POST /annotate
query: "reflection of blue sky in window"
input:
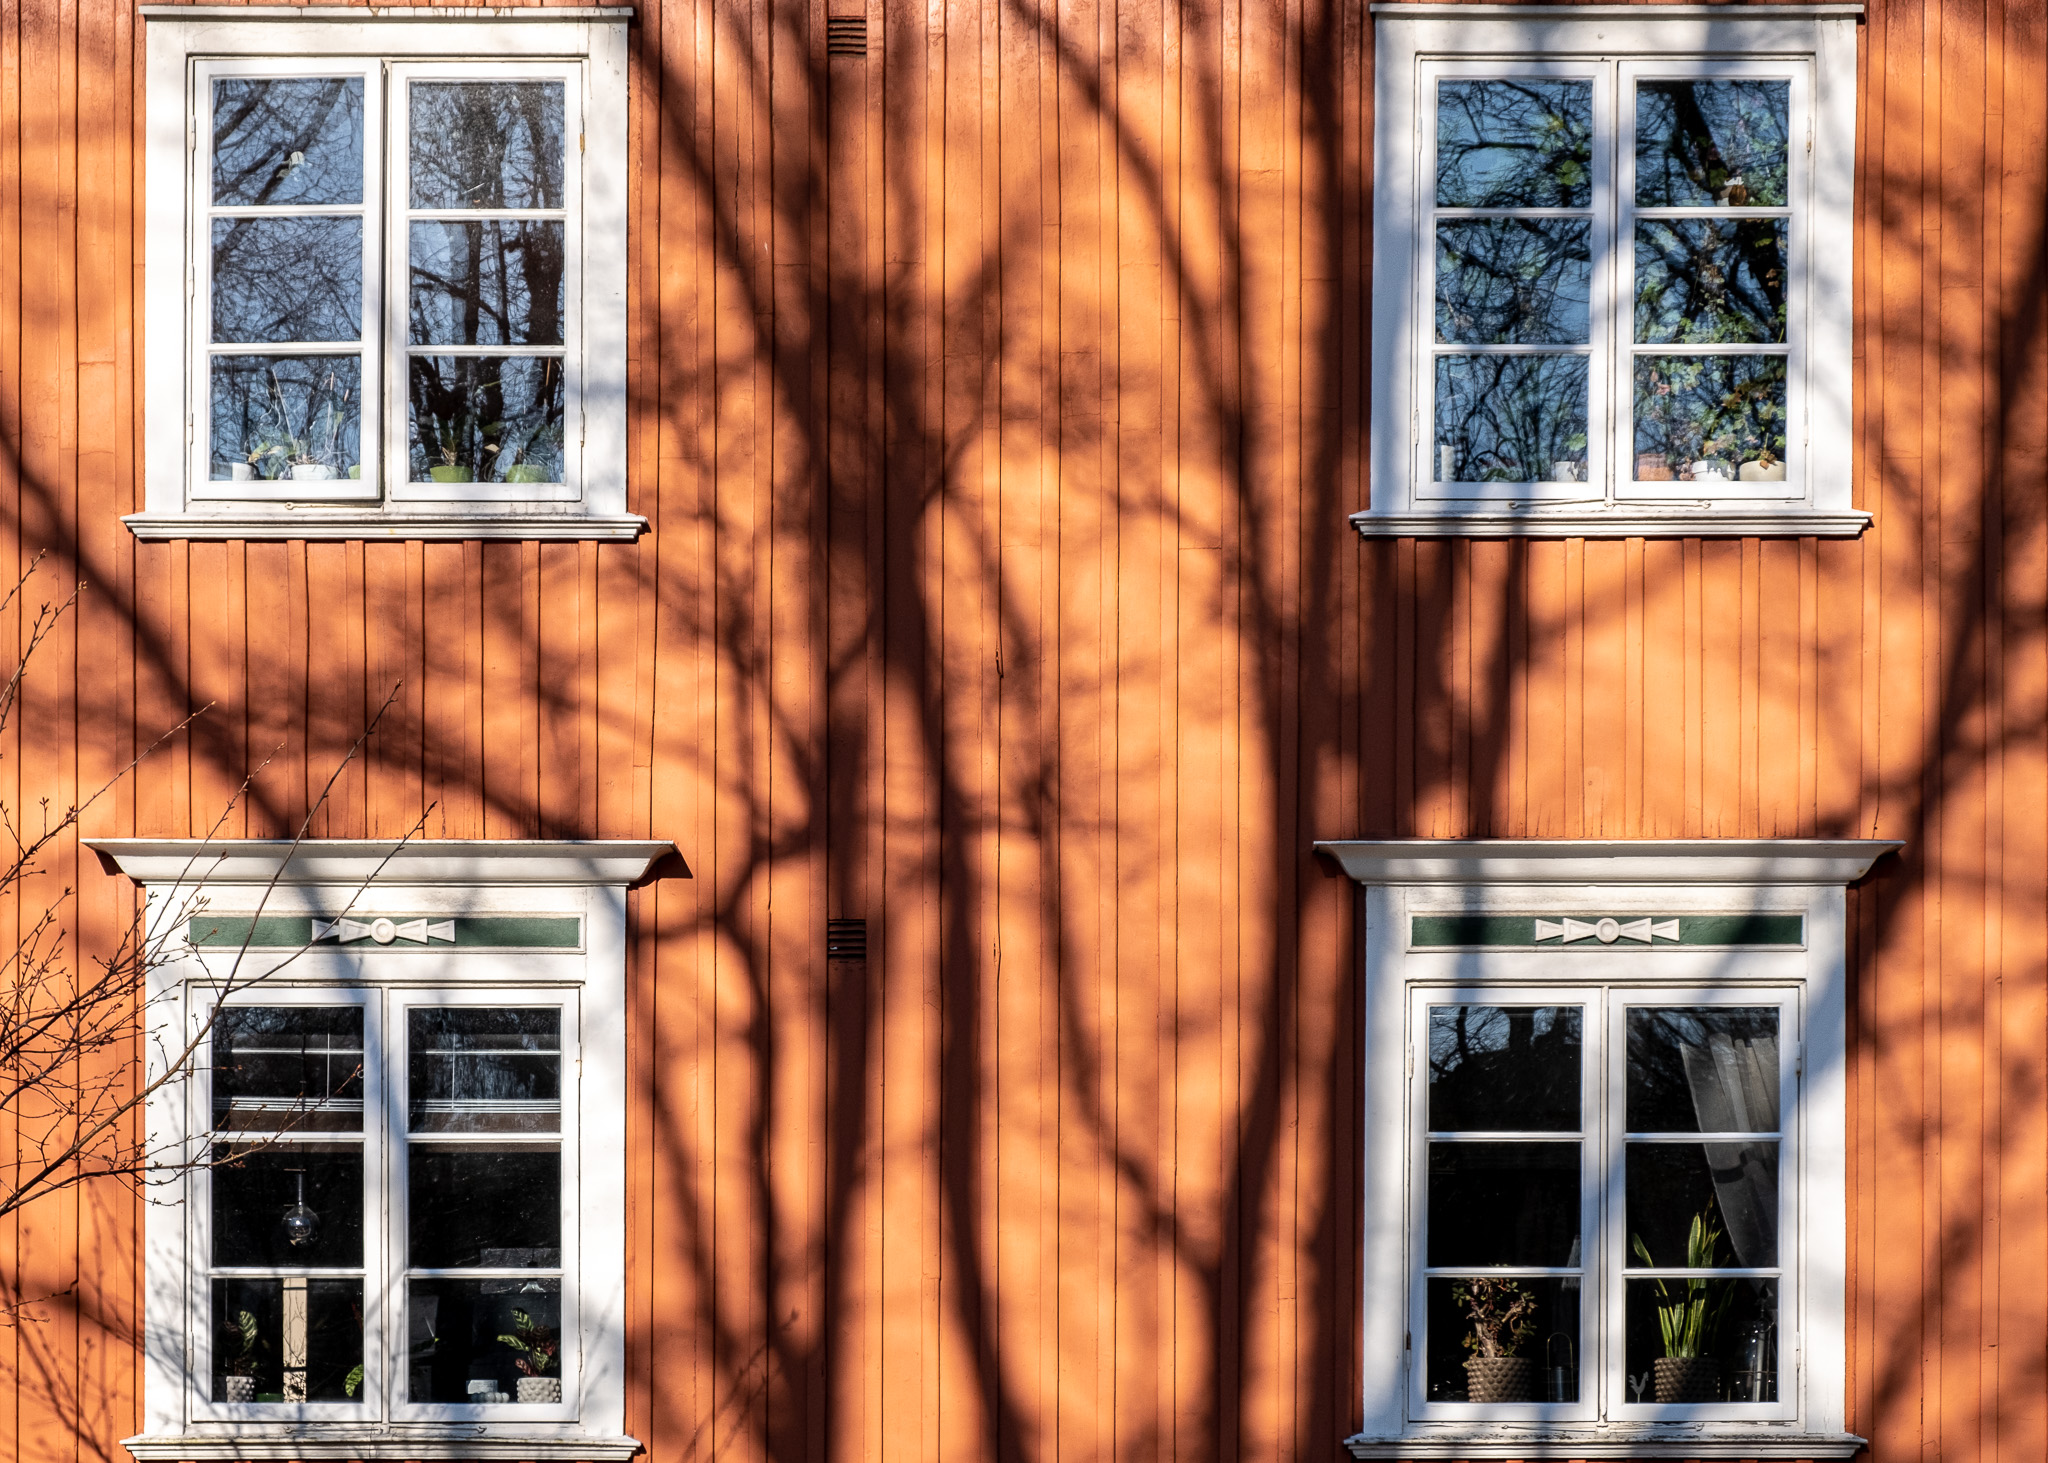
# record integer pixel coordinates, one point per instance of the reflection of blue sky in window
(296, 141)
(297, 278)
(1513, 281)
(1519, 142)
(1710, 281)
(487, 144)
(487, 282)
(1510, 418)
(1705, 144)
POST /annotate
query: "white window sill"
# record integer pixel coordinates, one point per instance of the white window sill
(1629, 522)
(357, 1442)
(357, 523)
(1750, 1440)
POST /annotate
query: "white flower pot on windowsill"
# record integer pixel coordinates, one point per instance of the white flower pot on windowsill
(241, 1389)
(540, 1389)
(311, 472)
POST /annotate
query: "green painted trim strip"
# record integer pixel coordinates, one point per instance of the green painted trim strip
(472, 932)
(1518, 931)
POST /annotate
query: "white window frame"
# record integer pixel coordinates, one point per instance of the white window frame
(186, 47)
(1814, 47)
(387, 977)
(1554, 879)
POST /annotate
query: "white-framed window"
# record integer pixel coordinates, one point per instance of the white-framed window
(385, 275)
(1605, 1169)
(402, 1230)
(1610, 296)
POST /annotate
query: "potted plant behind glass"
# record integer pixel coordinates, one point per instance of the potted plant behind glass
(1688, 1315)
(535, 1347)
(240, 1341)
(1503, 1314)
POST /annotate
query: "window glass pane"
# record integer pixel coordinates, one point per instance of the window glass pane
(288, 141)
(1503, 1204)
(1710, 418)
(480, 419)
(1511, 419)
(287, 1340)
(299, 277)
(485, 1069)
(1703, 1069)
(1516, 142)
(296, 1067)
(289, 1203)
(1710, 281)
(1504, 1068)
(487, 282)
(487, 144)
(1702, 1340)
(1703, 1206)
(477, 1205)
(1513, 281)
(1535, 1320)
(1702, 144)
(294, 417)
(484, 1341)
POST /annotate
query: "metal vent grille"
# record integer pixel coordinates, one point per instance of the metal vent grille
(846, 939)
(846, 35)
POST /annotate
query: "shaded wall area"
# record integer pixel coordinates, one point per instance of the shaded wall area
(998, 398)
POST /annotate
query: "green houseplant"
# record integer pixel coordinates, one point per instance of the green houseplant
(1689, 1314)
(241, 1346)
(1502, 1315)
(535, 1347)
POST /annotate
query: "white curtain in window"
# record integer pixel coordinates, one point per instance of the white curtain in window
(1734, 1082)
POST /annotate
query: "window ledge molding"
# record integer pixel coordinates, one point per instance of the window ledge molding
(1610, 1443)
(300, 524)
(342, 1443)
(1604, 523)
(1592, 861)
(468, 863)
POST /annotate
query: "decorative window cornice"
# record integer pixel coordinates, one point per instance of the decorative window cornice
(470, 862)
(1608, 862)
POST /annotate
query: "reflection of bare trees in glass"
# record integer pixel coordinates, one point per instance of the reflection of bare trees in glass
(1705, 143)
(488, 144)
(291, 141)
(1725, 411)
(1514, 143)
(275, 413)
(1513, 281)
(1509, 418)
(1710, 281)
(293, 278)
(486, 418)
(487, 282)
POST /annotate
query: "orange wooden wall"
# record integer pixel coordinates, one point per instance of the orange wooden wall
(998, 400)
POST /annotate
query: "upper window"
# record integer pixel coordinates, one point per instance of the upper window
(1605, 1184)
(1602, 304)
(405, 303)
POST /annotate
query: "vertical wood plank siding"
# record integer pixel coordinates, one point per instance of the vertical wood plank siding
(997, 400)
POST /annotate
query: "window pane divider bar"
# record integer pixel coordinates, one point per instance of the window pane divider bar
(485, 215)
(481, 1274)
(285, 348)
(1652, 348)
(275, 1272)
(1507, 1135)
(287, 210)
(1664, 1272)
(1774, 1135)
(486, 350)
(1507, 1272)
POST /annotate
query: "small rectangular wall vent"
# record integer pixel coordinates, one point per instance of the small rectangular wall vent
(846, 939)
(846, 35)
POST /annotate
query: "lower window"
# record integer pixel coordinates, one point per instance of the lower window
(1598, 1201)
(389, 1219)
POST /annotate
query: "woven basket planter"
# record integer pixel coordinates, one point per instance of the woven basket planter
(1687, 1378)
(1500, 1379)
